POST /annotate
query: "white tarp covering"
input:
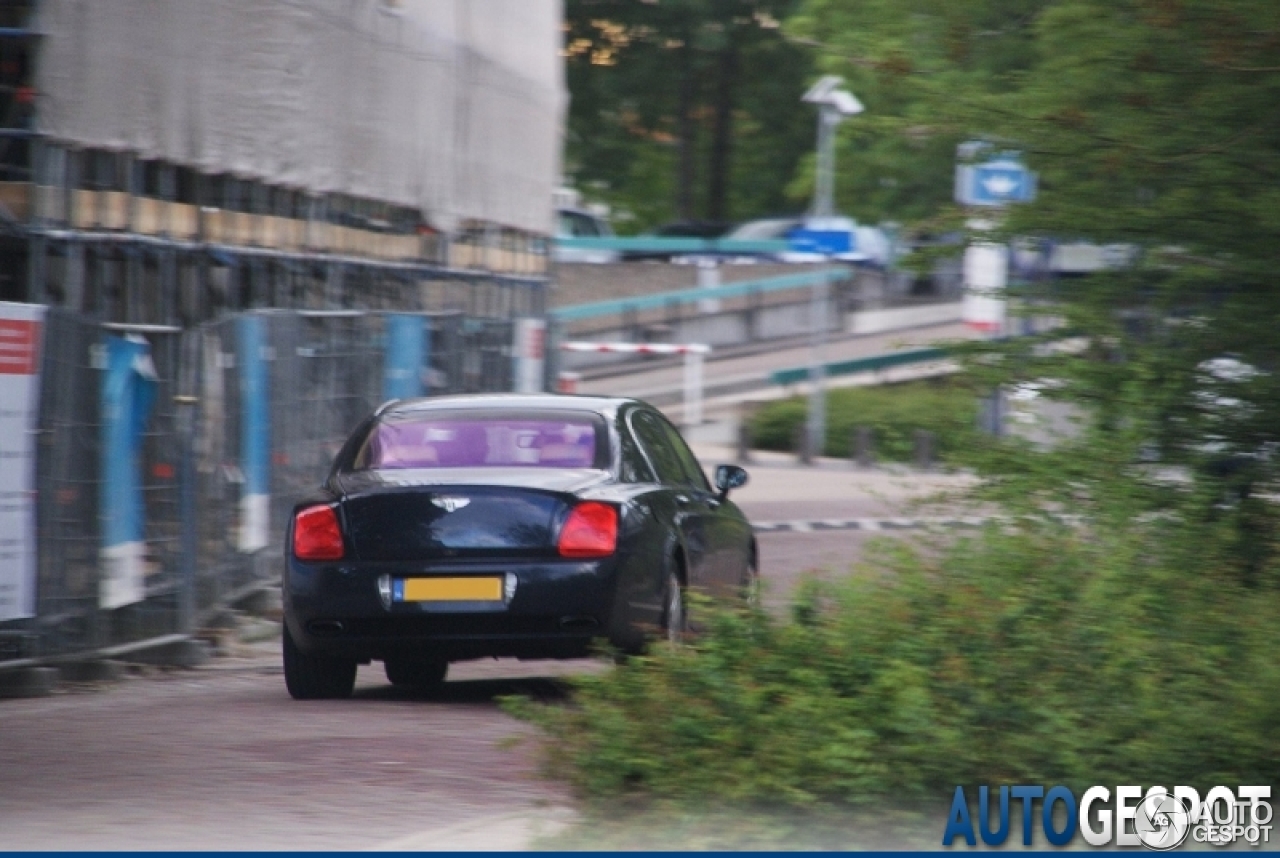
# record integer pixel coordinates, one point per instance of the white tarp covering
(454, 107)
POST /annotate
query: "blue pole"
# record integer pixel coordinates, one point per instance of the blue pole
(255, 435)
(403, 360)
(128, 391)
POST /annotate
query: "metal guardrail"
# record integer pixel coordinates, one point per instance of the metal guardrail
(658, 300)
(872, 363)
(719, 246)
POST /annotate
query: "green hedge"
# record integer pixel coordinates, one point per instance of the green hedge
(1043, 654)
(894, 413)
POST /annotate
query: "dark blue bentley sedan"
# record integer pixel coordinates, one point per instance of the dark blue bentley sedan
(503, 525)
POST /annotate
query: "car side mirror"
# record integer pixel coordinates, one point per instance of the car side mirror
(730, 477)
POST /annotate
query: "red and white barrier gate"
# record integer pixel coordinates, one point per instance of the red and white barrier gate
(693, 355)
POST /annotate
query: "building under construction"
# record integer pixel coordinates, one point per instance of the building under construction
(164, 161)
(228, 230)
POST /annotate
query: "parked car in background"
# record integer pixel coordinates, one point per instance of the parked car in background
(527, 526)
(701, 229)
(581, 223)
(765, 229)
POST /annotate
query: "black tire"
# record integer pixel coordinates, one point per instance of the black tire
(751, 581)
(416, 673)
(314, 677)
(675, 618)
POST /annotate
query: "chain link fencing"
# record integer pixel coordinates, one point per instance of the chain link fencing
(203, 545)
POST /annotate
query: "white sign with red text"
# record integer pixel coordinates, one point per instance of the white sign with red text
(530, 355)
(20, 338)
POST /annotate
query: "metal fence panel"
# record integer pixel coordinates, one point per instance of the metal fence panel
(325, 379)
(485, 346)
(222, 569)
(324, 374)
(67, 469)
(69, 504)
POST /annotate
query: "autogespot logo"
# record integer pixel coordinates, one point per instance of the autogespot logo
(1158, 819)
(1162, 821)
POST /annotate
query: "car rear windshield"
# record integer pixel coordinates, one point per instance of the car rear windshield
(484, 441)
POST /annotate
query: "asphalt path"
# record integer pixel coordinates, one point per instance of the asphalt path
(221, 758)
(811, 499)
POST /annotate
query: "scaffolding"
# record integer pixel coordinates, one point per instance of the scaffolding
(124, 235)
(121, 235)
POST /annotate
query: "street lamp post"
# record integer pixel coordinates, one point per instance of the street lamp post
(834, 105)
(824, 178)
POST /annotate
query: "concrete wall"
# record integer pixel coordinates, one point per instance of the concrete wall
(898, 318)
(584, 284)
(729, 328)
(874, 301)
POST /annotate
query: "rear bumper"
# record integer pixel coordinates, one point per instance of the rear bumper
(557, 610)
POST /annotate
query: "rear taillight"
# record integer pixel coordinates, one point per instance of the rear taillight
(317, 535)
(591, 530)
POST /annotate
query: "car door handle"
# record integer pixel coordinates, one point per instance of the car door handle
(683, 500)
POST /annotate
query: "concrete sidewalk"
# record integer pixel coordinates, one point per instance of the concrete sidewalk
(780, 476)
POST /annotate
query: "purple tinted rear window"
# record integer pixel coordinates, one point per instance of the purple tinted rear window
(426, 441)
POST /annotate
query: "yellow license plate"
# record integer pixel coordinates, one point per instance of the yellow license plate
(450, 590)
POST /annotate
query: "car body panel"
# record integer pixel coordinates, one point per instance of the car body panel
(581, 223)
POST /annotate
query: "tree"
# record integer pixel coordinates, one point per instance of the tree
(908, 61)
(667, 97)
(1153, 126)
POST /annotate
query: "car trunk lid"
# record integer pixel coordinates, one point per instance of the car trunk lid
(453, 521)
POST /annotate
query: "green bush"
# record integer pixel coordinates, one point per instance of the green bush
(894, 412)
(1043, 653)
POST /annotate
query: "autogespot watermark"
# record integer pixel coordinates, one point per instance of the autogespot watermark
(1126, 816)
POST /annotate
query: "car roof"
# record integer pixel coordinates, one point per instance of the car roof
(693, 229)
(763, 227)
(607, 405)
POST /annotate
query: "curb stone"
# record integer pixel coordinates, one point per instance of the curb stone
(867, 524)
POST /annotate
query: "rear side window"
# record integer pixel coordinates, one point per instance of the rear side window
(693, 473)
(667, 451)
(436, 440)
(632, 466)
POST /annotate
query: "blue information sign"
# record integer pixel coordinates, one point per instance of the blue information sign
(994, 183)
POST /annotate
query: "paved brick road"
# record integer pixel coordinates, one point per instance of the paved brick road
(221, 758)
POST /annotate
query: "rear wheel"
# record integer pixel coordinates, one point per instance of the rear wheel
(751, 581)
(675, 622)
(416, 672)
(314, 677)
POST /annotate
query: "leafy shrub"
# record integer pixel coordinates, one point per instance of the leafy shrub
(1037, 654)
(894, 412)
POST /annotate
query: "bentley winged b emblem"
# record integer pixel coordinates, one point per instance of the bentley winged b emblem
(450, 504)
